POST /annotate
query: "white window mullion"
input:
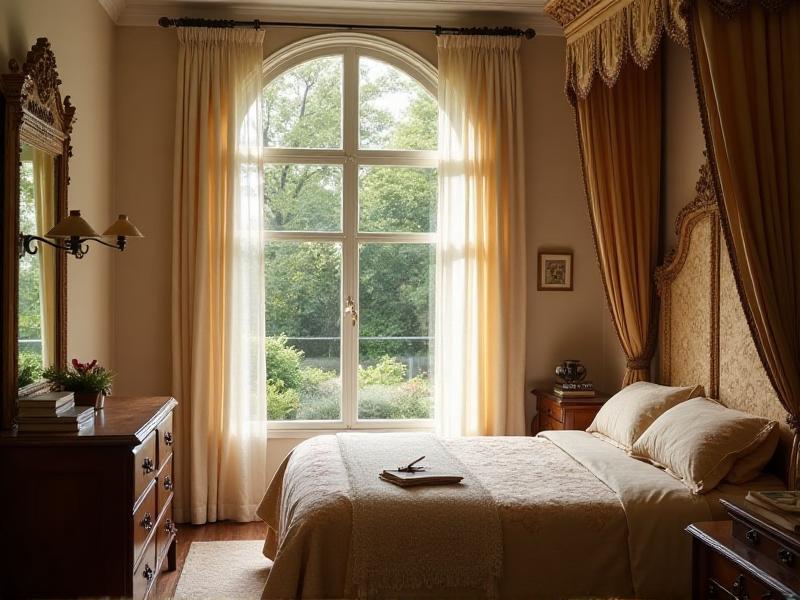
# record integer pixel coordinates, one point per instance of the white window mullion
(350, 244)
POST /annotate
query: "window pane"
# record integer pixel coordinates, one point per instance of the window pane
(397, 199)
(303, 283)
(303, 106)
(29, 308)
(396, 333)
(303, 197)
(395, 111)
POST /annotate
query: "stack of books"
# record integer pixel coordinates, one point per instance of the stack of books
(580, 389)
(53, 413)
(779, 508)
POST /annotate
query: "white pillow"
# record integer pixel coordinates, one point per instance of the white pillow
(627, 414)
(699, 440)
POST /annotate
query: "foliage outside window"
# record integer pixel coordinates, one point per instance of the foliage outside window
(30, 365)
(350, 212)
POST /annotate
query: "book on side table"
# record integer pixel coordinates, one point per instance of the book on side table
(782, 508)
(580, 389)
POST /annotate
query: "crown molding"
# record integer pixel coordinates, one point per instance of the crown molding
(114, 8)
(449, 13)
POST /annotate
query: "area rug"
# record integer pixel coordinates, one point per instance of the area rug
(223, 571)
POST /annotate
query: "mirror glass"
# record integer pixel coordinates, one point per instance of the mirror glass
(37, 272)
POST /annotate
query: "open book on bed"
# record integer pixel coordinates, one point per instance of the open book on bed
(424, 477)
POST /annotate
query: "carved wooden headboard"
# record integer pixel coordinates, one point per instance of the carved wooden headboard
(704, 335)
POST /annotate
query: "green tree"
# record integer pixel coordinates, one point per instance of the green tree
(303, 109)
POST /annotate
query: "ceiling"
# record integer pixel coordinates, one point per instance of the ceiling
(518, 13)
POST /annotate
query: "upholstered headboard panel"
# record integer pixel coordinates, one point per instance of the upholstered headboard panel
(704, 336)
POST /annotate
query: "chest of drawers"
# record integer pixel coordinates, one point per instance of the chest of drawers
(90, 514)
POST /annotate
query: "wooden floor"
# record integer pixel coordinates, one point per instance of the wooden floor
(213, 532)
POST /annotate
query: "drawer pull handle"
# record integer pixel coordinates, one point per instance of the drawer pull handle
(148, 573)
(147, 522)
(712, 589)
(785, 556)
(169, 527)
(738, 588)
(148, 466)
(751, 537)
(168, 485)
(168, 438)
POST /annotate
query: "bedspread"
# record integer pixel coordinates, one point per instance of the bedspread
(565, 528)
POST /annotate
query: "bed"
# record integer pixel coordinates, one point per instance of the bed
(562, 515)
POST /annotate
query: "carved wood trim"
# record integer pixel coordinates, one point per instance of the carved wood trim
(33, 113)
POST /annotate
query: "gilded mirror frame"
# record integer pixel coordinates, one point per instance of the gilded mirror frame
(34, 114)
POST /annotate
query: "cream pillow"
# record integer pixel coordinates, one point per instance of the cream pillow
(750, 465)
(699, 440)
(633, 409)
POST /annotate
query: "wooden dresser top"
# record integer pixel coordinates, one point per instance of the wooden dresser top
(123, 421)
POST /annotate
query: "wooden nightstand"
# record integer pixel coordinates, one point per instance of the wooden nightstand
(554, 412)
(744, 558)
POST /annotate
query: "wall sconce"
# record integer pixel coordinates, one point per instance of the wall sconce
(75, 232)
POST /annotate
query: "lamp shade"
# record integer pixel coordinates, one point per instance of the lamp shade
(72, 226)
(123, 228)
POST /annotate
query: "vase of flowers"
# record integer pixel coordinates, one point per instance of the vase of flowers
(89, 382)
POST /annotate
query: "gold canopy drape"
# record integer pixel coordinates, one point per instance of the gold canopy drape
(619, 134)
(619, 130)
(747, 68)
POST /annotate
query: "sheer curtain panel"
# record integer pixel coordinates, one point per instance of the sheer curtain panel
(219, 369)
(481, 271)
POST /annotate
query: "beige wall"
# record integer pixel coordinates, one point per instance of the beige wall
(561, 324)
(683, 138)
(82, 38)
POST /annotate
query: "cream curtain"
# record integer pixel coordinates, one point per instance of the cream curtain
(747, 67)
(481, 272)
(45, 205)
(619, 130)
(219, 369)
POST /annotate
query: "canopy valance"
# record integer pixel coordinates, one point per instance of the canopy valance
(602, 33)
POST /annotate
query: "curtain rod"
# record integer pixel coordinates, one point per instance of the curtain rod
(257, 24)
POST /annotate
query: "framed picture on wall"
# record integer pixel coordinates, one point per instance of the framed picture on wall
(555, 271)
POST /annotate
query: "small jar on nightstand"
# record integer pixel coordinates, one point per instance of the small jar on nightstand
(555, 412)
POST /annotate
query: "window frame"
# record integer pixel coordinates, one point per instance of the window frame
(350, 46)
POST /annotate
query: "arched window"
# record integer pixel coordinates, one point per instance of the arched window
(350, 134)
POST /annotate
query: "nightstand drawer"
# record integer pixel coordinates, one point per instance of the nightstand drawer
(144, 464)
(764, 544)
(725, 580)
(548, 424)
(551, 409)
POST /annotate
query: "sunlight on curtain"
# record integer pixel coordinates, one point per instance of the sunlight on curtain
(45, 205)
(219, 369)
(481, 272)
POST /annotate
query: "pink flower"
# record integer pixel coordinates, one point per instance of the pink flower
(83, 368)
